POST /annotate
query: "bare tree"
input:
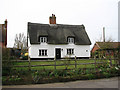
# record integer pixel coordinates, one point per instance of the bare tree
(106, 44)
(108, 39)
(20, 41)
(99, 39)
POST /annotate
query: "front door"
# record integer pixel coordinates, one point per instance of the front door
(58, 53)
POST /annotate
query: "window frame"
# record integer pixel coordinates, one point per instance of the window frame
(70, 51)
(42, 39)
(71, 40)
(43, 52)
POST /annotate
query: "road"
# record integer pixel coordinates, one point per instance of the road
(98, 83)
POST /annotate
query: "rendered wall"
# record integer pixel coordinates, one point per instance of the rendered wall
(79, 50)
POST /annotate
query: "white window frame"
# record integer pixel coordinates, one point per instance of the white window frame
(70, 51)
(42, 52)
(43, 39)
(70, 40)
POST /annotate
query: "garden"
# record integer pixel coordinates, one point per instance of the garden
(19, 72)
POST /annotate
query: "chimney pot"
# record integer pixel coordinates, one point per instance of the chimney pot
(52, 20)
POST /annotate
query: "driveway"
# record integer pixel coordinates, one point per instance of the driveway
(98, 83)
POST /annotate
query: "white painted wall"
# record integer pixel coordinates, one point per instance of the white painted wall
(79, 50)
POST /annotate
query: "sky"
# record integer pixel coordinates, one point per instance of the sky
(93, 14)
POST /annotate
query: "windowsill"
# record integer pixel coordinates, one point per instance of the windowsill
(44, 55)
(70, 54)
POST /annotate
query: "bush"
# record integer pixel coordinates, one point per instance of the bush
(106, 75)
(90, 76)
(7, 63)
(57, 73)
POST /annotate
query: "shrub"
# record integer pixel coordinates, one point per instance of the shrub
(57, 73)
(7, 63)
(106, 75)
(90, 76)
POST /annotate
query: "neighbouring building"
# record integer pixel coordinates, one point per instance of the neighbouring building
(3, 34)
(49, 41)
(106, 49)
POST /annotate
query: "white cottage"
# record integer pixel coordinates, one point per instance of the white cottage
(48, 41)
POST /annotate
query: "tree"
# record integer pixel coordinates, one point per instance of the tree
(20, 41)
(108, 39)
(107, 43)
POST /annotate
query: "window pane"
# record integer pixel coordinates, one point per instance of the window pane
(45, 39)
(41, 39)
(42, 52)
(72, 51)
(70, 40)
(45, 52)
(67, 51)
(39, 52)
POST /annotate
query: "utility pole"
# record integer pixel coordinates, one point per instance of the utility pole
(28, 53)
(103, 34)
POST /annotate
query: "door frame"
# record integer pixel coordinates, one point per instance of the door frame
(58, 52)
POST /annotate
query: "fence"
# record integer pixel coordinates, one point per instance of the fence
(67, 63)
(99, 68)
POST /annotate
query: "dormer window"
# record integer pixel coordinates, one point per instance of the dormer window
(70, 40)
(43, 39)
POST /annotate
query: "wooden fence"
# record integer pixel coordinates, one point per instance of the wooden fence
(96, 62)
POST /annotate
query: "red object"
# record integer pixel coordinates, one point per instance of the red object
(3, 33)
(52, 20)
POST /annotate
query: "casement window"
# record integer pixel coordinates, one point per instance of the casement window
(70, 40)
(43, 39)
(42, 52)
(70, 51)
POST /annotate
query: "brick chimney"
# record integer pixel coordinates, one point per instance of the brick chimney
(52, 20)
(5, 23)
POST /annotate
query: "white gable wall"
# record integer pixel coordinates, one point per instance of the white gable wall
(79, 50)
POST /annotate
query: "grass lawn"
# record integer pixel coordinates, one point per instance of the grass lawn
(58, 62)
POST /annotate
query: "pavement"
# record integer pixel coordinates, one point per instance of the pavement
(98, 83)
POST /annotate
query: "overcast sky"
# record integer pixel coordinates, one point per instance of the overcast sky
(93, 14)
